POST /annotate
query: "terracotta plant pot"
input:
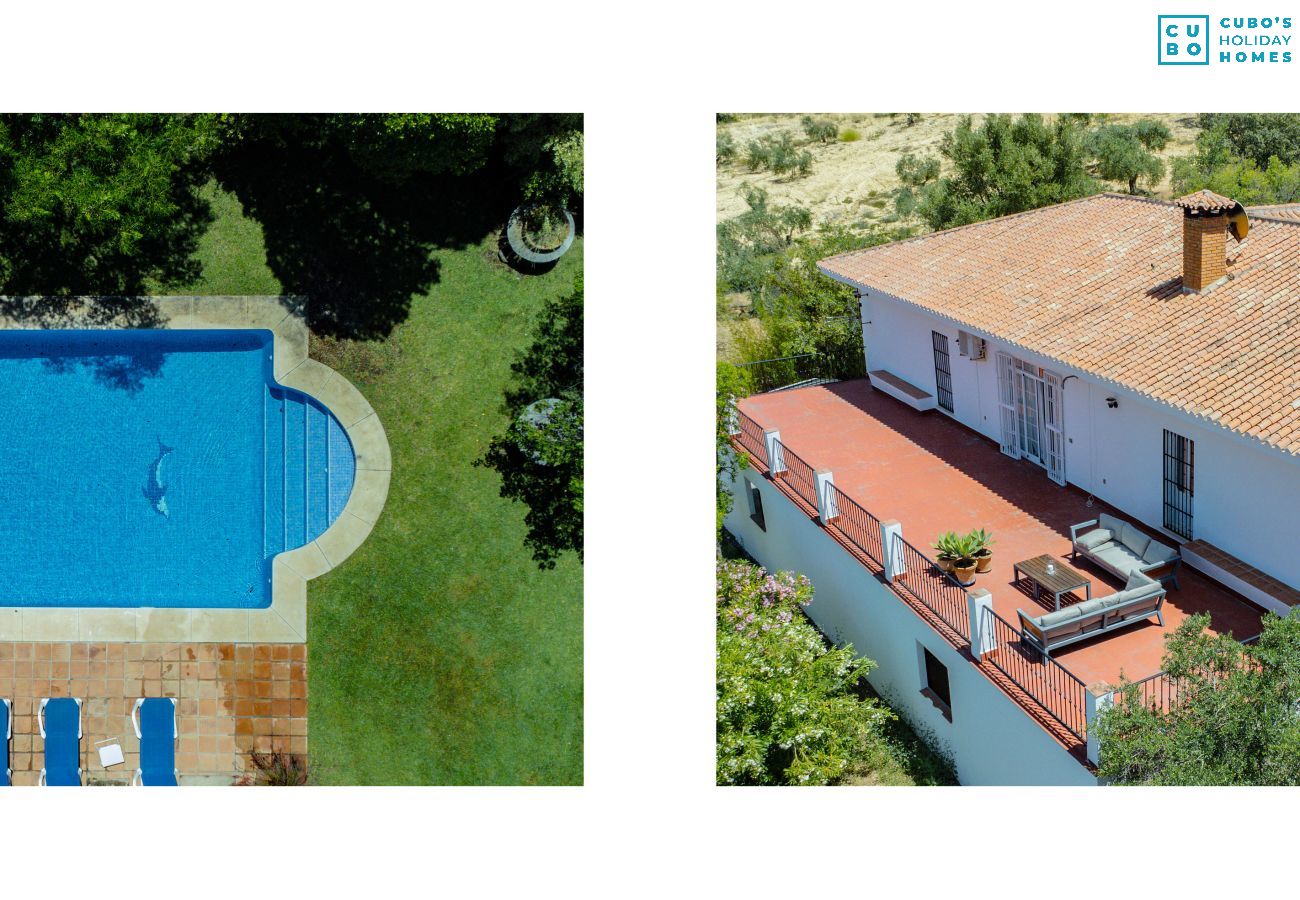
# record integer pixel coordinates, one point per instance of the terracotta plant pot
(945, 563)
(964, 571)
(983, 561)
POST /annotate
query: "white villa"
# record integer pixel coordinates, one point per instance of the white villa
(1112, 362)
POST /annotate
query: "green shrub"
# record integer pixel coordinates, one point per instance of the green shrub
(726, 149)
(777, 154)
(787, 712)
(849, 135)
(820, 130)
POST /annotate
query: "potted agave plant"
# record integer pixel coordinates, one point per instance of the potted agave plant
(948, 550)
(983, 541)
(963, 566)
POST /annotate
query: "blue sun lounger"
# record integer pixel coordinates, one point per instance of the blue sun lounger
(60, 722)
(7, 729)
(154, 719)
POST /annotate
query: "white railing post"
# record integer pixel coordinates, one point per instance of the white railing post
(1097, 699)
(827, 509)
(982, 640)
(775, 456)
(892, 549)
(733, 417)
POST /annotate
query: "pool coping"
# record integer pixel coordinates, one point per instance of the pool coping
(285, 619)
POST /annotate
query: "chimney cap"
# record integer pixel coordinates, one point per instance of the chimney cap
(1206, 201)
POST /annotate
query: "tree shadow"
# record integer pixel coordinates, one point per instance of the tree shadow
(358, 247)
(124, 365)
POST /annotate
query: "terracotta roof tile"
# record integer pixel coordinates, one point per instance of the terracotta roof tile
(1097, 284)
(1205, 200)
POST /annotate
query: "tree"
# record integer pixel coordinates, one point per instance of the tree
(102, 204)
(786, 708)
(539, 456)
(778, 154)
(1255, 136)
(820, 130)
(760, 230)
(731, 384)
(1005, 166)
(1125, 152)
(1233, 719)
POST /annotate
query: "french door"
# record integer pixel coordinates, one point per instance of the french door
(1029, 400)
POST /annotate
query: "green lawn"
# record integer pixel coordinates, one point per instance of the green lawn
(438, 653)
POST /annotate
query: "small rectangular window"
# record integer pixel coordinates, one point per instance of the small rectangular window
(755, 505)
(936, 682)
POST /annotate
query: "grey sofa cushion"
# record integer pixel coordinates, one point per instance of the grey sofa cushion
(1058, 617)
(1135, 540)
(1118, 557)
(1138, 579)
(1109, 522)
(1158, 552)
(1095, 538)
(1113, 600)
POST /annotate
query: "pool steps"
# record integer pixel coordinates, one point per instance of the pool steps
(309, 470)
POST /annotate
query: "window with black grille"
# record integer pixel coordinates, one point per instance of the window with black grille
(1179, 483)
(942, 369)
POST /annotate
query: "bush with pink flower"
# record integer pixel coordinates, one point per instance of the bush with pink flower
(787, 710)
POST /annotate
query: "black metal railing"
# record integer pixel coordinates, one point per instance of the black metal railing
(860, 527)
(785, 372)
(799, 475)
(1161, 690)
(1158, 691)
(933, 587)
(1052, 686)
(750, 437)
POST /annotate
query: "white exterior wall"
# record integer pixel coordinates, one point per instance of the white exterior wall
(992, 740)
(1247, 499)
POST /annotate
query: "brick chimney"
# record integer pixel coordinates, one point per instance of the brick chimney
(1205, 239)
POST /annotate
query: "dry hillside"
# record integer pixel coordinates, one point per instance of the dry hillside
(852, 181)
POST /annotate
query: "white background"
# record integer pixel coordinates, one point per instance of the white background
(650, 78)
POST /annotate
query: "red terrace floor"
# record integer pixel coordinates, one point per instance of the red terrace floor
(932, 475)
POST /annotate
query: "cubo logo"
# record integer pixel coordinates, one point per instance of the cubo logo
(1184, 40)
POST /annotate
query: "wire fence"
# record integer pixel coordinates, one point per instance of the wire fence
(784, 372)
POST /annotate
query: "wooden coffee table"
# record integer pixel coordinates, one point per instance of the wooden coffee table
(1061, 580)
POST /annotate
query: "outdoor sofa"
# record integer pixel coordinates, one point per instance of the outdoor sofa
(1141, 598)
(1121, 549)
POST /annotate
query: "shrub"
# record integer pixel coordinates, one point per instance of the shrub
(848, 136)
(820, 130)
(777, 154)
(726, 149)
(277, 769)
(787, 712)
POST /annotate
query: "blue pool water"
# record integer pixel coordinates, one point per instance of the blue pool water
(156, 468)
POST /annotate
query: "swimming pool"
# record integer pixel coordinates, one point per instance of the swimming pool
(158, 468)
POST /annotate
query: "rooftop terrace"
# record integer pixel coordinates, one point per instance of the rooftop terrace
(934, 475)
